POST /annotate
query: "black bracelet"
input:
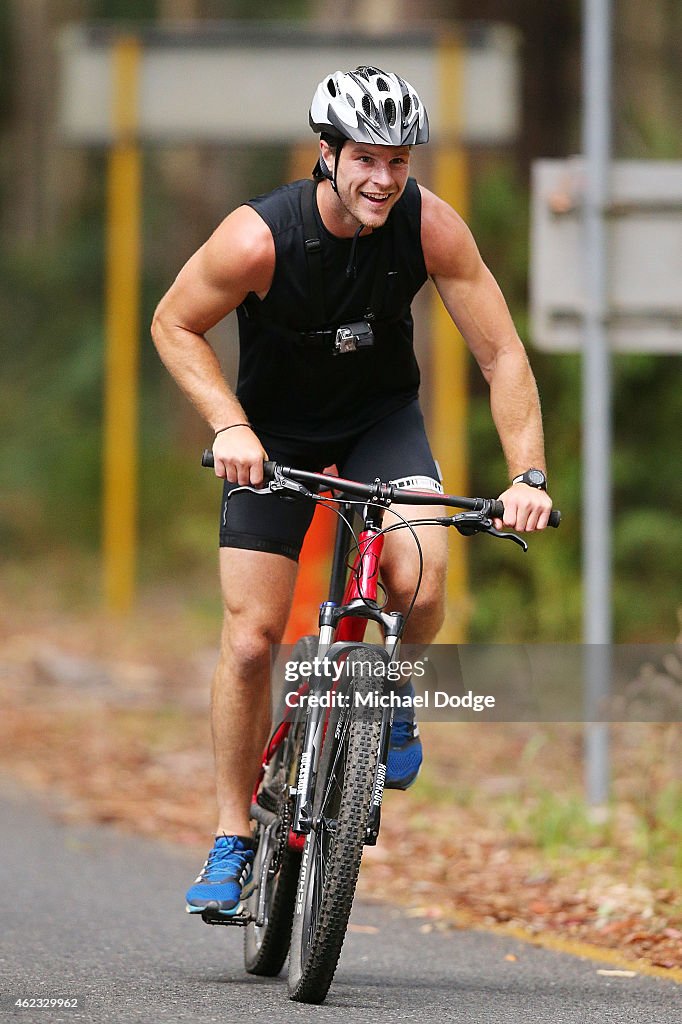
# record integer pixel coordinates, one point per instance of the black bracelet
(233, 425)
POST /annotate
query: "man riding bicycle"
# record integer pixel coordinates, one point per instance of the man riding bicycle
(322, 274)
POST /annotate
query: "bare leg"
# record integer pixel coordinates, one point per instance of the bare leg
(257, 590)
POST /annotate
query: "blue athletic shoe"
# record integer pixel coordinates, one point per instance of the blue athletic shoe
(225, 878)
(405, 747)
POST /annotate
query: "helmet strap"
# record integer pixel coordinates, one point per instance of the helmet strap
(337, 157)
(322, 168)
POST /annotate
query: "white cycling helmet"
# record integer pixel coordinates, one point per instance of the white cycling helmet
(369, 105)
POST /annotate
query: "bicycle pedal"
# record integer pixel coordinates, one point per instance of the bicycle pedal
(239, 920)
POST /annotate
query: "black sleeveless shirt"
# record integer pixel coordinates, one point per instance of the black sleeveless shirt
(291, 388)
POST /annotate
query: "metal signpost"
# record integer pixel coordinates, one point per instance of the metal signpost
(597, 624)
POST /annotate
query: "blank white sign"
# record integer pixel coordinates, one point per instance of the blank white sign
(226, 83)
(644, 231)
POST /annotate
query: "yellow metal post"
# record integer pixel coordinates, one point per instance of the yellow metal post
(122, 332)
(449, 360)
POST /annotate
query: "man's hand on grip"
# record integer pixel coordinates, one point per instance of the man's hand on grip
(525, 509)
(238, 456)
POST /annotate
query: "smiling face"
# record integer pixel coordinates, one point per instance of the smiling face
(370, 181)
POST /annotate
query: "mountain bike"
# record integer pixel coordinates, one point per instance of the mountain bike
(317, 801)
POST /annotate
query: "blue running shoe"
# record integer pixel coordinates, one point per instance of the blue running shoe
(405, 747)
(225, 878)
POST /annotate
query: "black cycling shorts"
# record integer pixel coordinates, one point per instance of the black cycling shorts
(395, 449)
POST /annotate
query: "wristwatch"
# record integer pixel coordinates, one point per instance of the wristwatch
(532, 477)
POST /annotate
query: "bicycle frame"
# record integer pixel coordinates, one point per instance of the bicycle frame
(343, 619)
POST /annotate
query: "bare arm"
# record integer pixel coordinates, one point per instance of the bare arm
(476, 304)
(238, 258)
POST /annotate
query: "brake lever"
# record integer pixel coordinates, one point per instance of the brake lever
(252, 490)
(507, 536)
(279, 487)
(469, 523)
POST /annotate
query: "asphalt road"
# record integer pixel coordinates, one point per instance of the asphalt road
(97, 914)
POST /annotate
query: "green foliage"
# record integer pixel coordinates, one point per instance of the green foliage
(6, 63)
(52, 332)
(271, 10)
(647, 471)
(660, 827)
(555, 821)
(123, 10)
(535, 597)
(50, 301)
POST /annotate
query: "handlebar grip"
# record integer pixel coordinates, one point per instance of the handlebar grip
(208, 462)
(497, 512)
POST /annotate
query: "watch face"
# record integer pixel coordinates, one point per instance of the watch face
(536, 478)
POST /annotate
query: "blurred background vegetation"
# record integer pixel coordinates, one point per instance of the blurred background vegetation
(51, 320)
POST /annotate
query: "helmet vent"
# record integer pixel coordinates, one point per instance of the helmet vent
(407, 106)
(331, 86)
(368, 106)
(390, 111)
(382, 85)
(350, 100)
(363, 72)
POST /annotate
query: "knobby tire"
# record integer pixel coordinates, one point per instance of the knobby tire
(332, 853)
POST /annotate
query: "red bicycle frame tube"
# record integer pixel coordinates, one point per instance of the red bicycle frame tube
(362, 582)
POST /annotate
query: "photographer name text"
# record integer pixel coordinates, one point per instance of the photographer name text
(378, 700)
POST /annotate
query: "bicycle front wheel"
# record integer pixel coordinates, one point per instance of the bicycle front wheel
(333, 849)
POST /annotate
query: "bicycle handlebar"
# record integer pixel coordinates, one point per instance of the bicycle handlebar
(383, 492)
